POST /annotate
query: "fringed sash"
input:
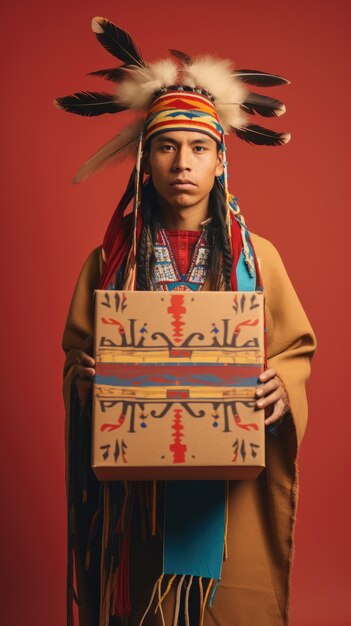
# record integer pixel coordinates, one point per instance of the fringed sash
(195, 524)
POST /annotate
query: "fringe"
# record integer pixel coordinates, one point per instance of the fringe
(177, 602)
(70, 563)
(115, 552)
(166, 592)
(245, 237)
(186, 607)
(83, 441)
(148, 500)
(107, 599)
(90, 539)
(201, 590)
(214, 592)
(159, 598)
(74, 452)
(104, 577)
(121, 592)
(130, 282)
(142, 510)
(121, 525)
(154, 507)
(156, 587)
(85, 491)
(204, 598)
(137, 191)
(203, 605)
(226, 191)
(246, 249)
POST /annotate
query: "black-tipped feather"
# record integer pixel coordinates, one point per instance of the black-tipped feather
(116, 41)
(89, 103)
(182, 56)
(261, 136)
(114, 74)
(263, 105)
(260, 79)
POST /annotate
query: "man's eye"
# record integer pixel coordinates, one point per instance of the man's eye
(199, 148)
(167, 148)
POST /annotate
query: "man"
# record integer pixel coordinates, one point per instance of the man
(183, 166)
(184, 216)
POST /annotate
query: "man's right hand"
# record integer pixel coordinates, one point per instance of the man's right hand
(84, 371)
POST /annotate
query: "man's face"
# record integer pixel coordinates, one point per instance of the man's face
(183, 166)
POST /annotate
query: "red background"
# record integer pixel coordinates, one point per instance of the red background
(296, 196)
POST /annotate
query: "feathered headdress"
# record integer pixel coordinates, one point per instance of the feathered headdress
(203, 94)
(138, 83)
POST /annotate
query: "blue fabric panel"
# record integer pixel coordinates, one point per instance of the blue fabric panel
(195, 510)
(194, 528)
(245, 281)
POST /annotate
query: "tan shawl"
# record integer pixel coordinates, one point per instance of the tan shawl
(255, 585)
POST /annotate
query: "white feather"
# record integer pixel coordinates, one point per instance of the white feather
(216, 76)
(138, 89)
(118, 148)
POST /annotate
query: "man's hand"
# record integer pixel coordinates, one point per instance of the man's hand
(84, 371)
(272, 396)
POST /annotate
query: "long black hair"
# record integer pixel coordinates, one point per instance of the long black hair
(220, 260)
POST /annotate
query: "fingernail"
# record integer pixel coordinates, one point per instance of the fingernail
(260, 403)
(259, 392)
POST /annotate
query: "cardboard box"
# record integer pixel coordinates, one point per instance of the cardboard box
(174, 393)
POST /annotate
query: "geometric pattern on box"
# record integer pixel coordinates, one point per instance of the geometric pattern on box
(174, 392)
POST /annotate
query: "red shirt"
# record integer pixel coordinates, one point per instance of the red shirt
(183, 243)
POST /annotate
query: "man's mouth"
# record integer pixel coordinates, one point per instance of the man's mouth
(180, 183)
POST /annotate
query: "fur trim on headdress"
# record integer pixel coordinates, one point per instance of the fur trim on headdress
(138, 88)
(216, 76)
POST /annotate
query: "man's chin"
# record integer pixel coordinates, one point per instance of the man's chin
(183, 200)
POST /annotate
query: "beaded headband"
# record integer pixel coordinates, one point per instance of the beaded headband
(180, 110)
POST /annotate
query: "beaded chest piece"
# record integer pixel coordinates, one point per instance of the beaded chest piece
(166, 275)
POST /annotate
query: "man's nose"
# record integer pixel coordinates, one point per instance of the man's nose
(181, 160)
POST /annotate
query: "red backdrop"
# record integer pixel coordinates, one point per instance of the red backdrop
(295, 196)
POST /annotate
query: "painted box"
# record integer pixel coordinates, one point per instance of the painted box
(174, 392)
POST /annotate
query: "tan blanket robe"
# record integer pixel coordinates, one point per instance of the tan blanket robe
(255, 585)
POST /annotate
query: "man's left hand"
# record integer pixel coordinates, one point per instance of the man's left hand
(272, 396)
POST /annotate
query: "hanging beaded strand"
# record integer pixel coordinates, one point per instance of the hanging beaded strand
(130, 281)
(226, 191)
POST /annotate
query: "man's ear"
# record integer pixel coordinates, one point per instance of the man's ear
(145, 163)
(219, 166)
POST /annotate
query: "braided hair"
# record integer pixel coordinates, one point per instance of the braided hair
(218, 239)
(220, 259)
